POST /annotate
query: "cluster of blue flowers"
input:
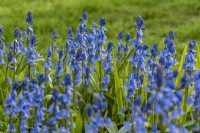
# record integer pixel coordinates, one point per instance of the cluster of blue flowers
(46, 94)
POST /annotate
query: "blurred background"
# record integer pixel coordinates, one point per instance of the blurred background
(183, 16)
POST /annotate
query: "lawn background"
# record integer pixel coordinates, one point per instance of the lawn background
(183, 16)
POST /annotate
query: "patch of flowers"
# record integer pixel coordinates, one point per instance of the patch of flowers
(91, 85)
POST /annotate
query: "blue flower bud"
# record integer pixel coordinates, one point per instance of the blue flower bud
(70, 33)
(128, 37)
(159, 76)
(61, 52)
(154, 50)
(171, 35)
(85, 16)
(55, 36)
(29, 18)
(120, 35)
(9, 81)
(139, 23)
(89, 110)
(17, 33)
(67, 81)
(102, 21)
(192, 44)
(1, 30)
(41, 78)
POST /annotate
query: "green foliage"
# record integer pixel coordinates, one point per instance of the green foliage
(69, 11)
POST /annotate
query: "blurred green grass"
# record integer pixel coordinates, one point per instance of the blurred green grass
(160, 16)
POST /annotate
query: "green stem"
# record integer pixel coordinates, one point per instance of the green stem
(52, 50)
(100, 74)
(73, 101)
(185, 104)
(162, 128)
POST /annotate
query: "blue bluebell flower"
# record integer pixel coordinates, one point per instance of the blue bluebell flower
(1, 30)
(151, 67)
(85, 16)
(63, 130)
(107, 65)
(154, 129)
(11, 128)
(139, 23)
(120, 45)
(196, 128)
(98, 123)
(170, 79)
(154, 50)
(108, 122)
(102, 21)
(166, 60)
(70, 33)
(17, 33)
(139, 27)
(121, 112)
(78, 74)
(87, 76)
(138, 59)
(100, 40)
(120, 35)
(99, 103)
(89, 110)
(81, 55)
(105, 81)
(196, 95)
(54, 33)
(189, 64)
(59, 67)
(131, 85)
(128, 40)
(48, 64)
(67, 81)
(54, 109)
(2, 48)
(41, 78)
(9, 81)
(32, 41)
(192, 44)
(165, 57)
(169, 43)
(91, 47)
(49, 52)
(165, 98)
(171, 35)
(29, 18)
(60, 54)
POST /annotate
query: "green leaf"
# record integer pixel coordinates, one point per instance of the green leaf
(21, 75)
(122, 67)
(189, 123)
(113, 129)
(198, 58)
(119, 91)
(2, 77)
(79, 123)
(39, 59)
(48, 97)
(123, 130)
(180, 68)
(109, 98)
